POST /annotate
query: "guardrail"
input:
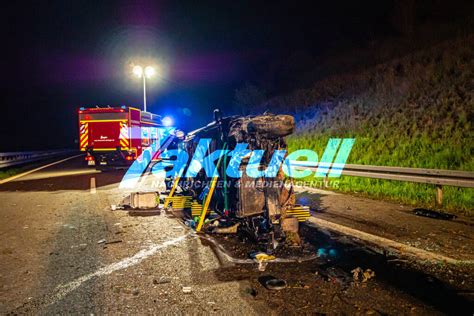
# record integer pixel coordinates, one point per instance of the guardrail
(17, 158)
(437, 177)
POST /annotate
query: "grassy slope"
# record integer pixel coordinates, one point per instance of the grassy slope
(416, 111)
(9, 173)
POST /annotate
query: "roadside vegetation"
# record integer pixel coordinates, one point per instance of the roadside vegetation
(12, 171)
(413, 111)
(9, 172)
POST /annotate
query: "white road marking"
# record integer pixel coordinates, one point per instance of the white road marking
(49, 174)
(93, 189)
(63, 290)
(37, 169)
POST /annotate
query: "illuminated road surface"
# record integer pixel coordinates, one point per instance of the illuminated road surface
(52, 261)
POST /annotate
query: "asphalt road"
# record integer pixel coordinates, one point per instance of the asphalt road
(53, 261)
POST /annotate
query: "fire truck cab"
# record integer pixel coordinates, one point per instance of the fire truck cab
(118, 135)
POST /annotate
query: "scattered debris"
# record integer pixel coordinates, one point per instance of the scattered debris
(161, 280)
(251, 291)
(262, 259)
(227, 230)
(337, 275)
(368, 274)
(433, 214)
(186, 289)
(144, 212)
(262, 265)
(359, 275)
(272, 283)
(144, 200)
(81, 246)
(299, 285)
(114, 207)
(276, 284)
(102, 241)
(356, 273)
(292, 239)
(190, 223)
(261, 256)
(327, 253)
(113, 242)
(322, 253)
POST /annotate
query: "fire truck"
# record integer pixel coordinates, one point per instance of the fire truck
(118, 135)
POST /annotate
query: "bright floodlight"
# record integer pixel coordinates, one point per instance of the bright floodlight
(167, 121)
(149, 71)
(138, 71)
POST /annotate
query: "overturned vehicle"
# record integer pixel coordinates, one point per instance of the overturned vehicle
(239, 189)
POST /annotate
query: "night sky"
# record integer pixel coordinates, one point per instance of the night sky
(60, 55)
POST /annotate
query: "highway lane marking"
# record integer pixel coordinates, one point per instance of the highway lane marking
(62, 290)
(93, 189)
(37, 169)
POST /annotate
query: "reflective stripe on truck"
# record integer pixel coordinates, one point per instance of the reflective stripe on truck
(124, 135)
(84, 136)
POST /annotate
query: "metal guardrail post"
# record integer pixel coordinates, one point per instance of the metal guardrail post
(439, 195)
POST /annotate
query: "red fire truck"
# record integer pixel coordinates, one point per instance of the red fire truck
(118, 135)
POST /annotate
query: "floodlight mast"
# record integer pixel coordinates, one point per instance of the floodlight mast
(148, 72)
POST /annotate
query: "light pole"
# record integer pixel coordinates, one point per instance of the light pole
(147, 73)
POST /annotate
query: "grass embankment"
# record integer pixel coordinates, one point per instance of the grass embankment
(10, 172)
(416, 111)
(14, 170)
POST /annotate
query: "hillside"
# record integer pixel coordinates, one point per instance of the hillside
(413, 111)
